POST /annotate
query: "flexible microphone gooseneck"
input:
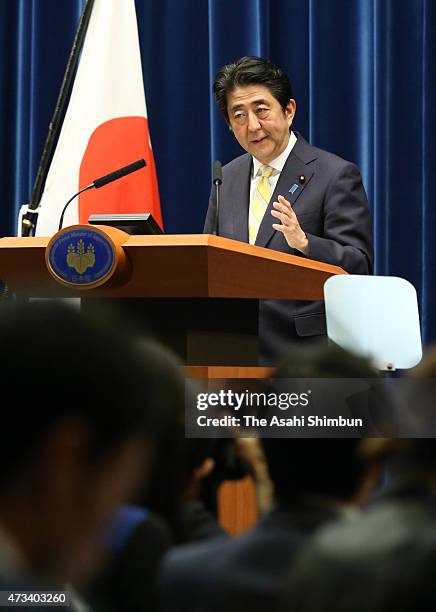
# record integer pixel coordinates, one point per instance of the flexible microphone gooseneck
(217, 180)
(104, 180)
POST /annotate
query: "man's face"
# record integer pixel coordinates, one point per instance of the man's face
(75, 495)
(258, 121)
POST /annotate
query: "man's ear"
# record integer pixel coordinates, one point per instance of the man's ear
(290, 110)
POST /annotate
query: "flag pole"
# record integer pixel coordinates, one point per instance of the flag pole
(29, 218)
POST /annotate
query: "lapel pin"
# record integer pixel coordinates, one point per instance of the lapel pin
(294, 188)
(302, 179)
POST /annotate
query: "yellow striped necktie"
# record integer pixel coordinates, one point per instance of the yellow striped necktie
(261, 197)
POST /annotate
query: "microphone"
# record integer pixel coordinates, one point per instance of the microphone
(114, 176)
(105, 180)
(217, 180)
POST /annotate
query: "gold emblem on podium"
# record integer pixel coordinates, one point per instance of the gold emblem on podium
(78, 259)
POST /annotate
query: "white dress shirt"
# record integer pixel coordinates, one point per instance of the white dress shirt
(277, 164)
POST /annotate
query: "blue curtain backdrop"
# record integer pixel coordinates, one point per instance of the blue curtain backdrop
(363, 73)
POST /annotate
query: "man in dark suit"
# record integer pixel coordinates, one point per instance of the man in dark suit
(313, 479)
(248, 572)
(285, 195)
(79, 437)
(384, 559)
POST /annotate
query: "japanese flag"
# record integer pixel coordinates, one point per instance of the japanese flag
(105, 127)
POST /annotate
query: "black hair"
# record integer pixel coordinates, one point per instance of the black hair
(418, 399)
(308, 467)
(251, 70)
(57, 363)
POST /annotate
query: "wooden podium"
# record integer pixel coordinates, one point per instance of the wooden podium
(199, 294)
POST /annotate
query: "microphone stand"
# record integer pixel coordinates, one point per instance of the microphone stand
(28, 222)
(217, 198)
(61, 220)
(217, 180)
(104, 180)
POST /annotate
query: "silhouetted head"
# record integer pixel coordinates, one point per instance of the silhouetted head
(313, 467)
(88, 402)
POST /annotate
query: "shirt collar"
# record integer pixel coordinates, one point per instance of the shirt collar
(279, 161)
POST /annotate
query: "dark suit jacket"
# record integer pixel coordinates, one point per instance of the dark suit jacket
(332, 209)
(382, 561)
(238, 574)
(127, 583)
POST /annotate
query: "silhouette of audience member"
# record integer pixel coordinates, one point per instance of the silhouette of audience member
(137, 541)
(85, 406)
(183, 486)
(200, 523)
(313, 479)
(384, 558)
